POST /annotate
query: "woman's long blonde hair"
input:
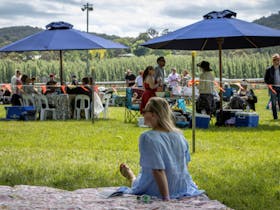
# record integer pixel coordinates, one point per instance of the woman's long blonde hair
(161, 108)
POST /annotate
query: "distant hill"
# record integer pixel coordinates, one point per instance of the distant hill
(272, 21)
(11, 34)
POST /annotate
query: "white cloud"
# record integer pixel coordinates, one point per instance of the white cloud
(126, 17)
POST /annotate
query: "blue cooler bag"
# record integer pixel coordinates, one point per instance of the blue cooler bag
(20, 112)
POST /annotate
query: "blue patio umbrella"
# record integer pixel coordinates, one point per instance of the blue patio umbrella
(218, 30)
(203, 35)
(60, 36)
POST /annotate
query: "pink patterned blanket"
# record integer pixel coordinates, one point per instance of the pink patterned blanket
(37, 197)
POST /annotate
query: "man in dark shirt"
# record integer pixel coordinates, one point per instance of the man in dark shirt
(272, 79)
(130, 78)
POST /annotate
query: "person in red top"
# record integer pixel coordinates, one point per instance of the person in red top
(150, 86)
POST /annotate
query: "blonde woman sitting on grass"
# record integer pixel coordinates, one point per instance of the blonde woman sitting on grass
(164, 155)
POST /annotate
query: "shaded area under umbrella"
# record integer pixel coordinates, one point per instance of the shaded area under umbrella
(218, 30)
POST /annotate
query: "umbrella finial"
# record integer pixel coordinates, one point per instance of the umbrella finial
(58, 25)
(223, 14)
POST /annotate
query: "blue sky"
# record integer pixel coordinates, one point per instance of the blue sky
(127, 17)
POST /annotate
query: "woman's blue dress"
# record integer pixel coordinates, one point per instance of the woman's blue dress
(168, 151)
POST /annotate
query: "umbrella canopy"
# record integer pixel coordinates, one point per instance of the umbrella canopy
(203, 35)
(60, 36)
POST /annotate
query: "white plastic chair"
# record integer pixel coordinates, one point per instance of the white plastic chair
(44, 107)
(28, 100)
(84, 104)
(106, 99)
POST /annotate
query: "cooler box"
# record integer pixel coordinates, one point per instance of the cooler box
(201, 121)
(246, 119)
(20, 112)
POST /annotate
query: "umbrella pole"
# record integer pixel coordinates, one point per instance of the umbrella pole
(193, 101)
(92, 95)
(220, 42)
(61, 67)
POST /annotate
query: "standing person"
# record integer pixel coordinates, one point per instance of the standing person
(14, 80)
(185, 78)
(129, 78)
(206, 89)
(164, 155)
(173, 78)
(17, 92)
(159, 75)
(139, 79)
(272, 79)
(150, 86)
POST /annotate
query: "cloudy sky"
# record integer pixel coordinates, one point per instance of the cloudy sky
(127, 17)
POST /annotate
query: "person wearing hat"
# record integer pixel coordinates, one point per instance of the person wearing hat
(272, 79)
(129, 78)
(205, 103)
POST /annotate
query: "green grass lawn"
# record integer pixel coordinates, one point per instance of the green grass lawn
(238, 166)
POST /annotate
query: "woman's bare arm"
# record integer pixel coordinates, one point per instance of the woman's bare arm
(151, 82)
(162, 183)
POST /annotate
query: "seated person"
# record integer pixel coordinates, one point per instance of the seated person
(51, 85)
(74, 80)
(164, 171)
(84, 88)
(136, 99)
(228, 92)
(247, 95)
(27, 87)
(245, 99)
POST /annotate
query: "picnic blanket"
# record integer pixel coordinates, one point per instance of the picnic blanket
(39, 197)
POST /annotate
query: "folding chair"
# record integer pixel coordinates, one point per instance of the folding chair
(132, 111)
